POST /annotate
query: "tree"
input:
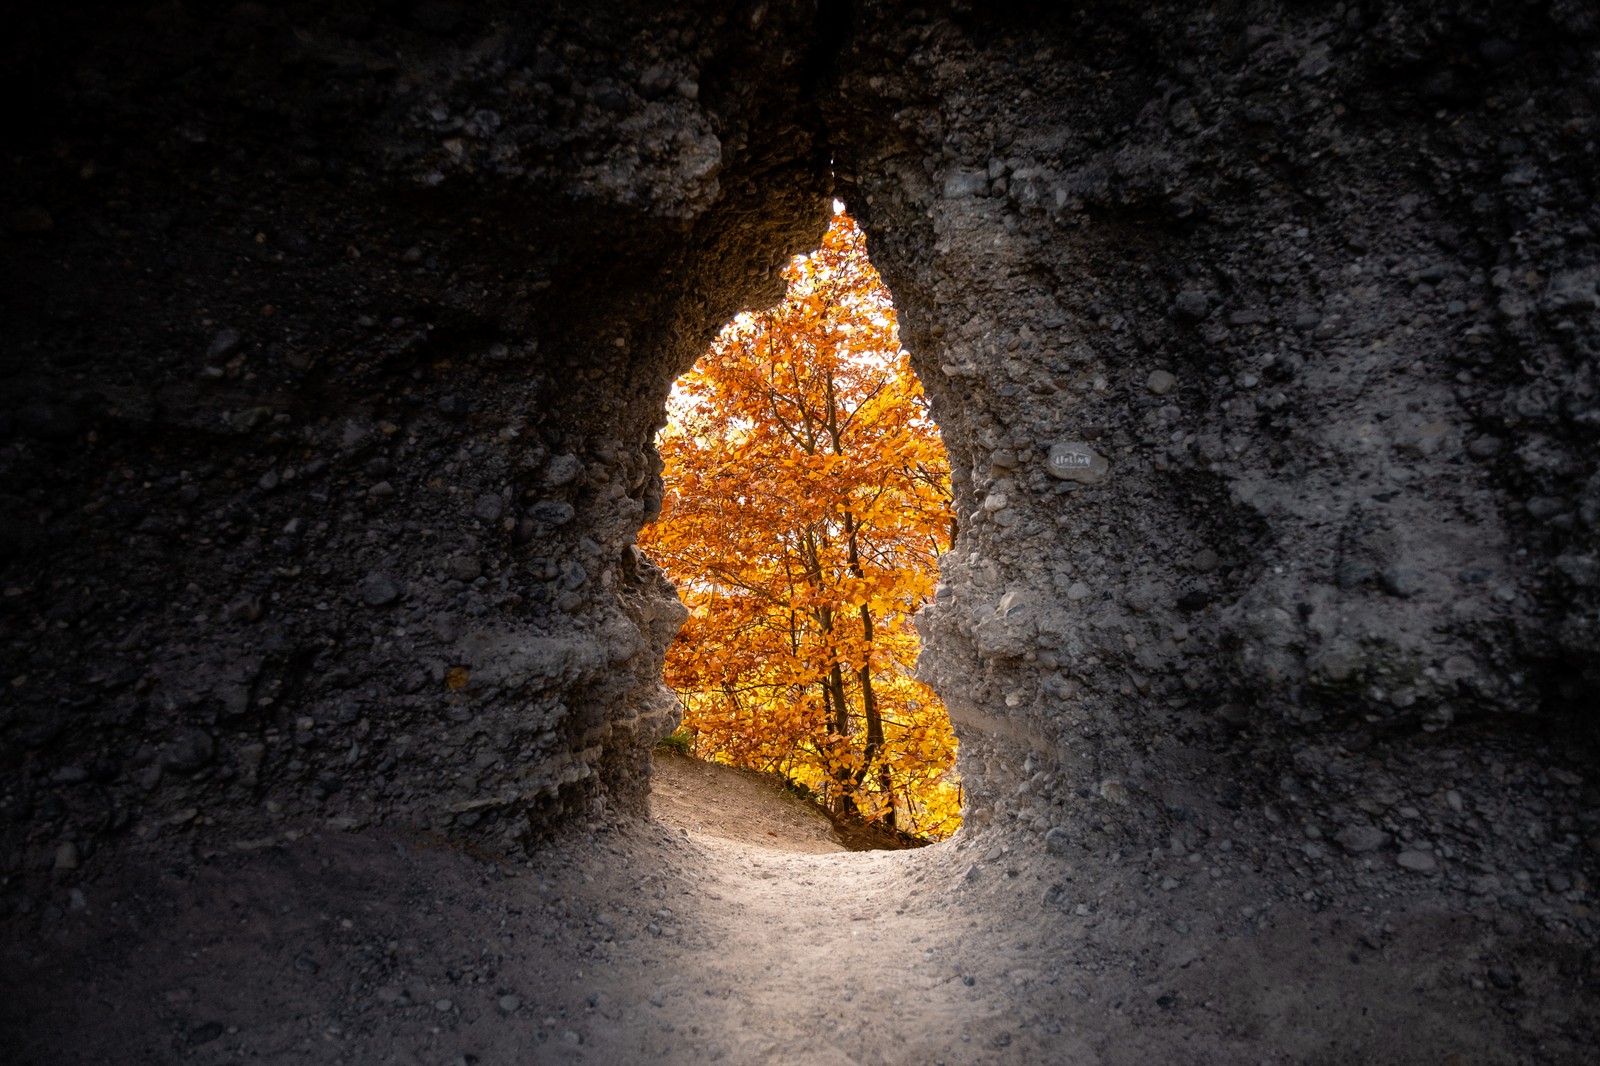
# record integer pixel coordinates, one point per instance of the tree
(808, 501)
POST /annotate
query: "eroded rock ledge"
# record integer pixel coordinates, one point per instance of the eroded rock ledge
(335, 344)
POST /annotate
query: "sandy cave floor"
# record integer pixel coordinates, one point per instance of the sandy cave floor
(735, 928)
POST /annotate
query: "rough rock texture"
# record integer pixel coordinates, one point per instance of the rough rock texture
(1262, 336)
(1264, 349)
(332, 370)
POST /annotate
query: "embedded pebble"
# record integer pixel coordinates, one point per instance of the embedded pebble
(1057, 841)
(551, 512)
(1077, 461)
(379, 590)
(489, 508)
(562, 470)
(1191, 304)
(1360, 839)
(1421, 862)
(1484, 447)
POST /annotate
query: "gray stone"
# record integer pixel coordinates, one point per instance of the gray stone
(1403, 581)
(1542, 507)
(1360, 839)
(1058, 841)
(960, 183)
(1004, 459)
(1234, 714)
(235, 700)
(1077, 461)
(573, 574)
(1354, 572)
(1573, 291)
(205, 1033)
(1421, 862)
(562, 470)
(489, 508)
(509, 1004)
(1581, 570)
(551, 513)
(1160, 382)
(379, 589)
(1191, 304)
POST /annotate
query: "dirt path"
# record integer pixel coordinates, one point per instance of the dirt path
(816, 953)
(721, 802)
(694, 939)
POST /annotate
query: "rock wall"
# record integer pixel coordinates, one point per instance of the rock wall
(336, 343)
(1262, 339)
(1263, 343)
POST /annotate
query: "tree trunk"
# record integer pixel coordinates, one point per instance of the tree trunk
(873, 751)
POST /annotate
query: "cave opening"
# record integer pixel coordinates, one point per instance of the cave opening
(807, 502)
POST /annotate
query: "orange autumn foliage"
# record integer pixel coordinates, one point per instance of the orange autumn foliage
(808, 499)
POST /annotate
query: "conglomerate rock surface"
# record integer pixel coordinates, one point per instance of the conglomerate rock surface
(1264, 355)
(1262, 338)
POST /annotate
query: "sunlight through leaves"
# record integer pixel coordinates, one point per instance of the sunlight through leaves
(808, 501)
